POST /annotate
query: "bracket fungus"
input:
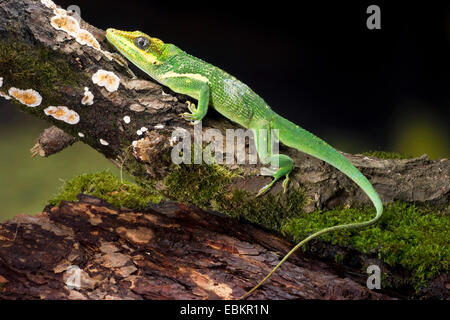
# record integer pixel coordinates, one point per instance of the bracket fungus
(66, 23)
(29, 97)
(106, 79)
(63, 113)
(84, 37)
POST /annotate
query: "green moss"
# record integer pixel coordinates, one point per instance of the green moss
(106, 186)
(386, 155)
(207, 187)
(269, 211)
(197, 184)
(415, 238)
(42, 69)
(408, 236)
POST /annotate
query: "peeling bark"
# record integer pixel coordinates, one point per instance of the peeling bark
(171, 251)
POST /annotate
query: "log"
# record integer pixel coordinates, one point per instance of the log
(190, 253)
(171, 251)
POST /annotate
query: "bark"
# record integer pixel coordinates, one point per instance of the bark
(174, 251)
(52, 141)
(169, 252)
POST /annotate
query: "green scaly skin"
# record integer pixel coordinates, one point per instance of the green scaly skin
(213, 87)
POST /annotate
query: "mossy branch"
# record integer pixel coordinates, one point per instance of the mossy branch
(34, 55)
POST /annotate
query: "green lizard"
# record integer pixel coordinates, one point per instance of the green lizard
(211, 86)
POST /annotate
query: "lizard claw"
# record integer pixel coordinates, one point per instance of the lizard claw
(191, 107)
(193, 115)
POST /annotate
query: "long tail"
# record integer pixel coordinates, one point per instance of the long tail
(295, 137)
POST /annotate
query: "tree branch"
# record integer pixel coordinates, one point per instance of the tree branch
(34, 55)
(37, 56)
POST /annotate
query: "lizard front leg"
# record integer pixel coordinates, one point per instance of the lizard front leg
(195, 88)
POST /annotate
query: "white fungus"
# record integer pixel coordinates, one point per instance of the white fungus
(1, 82)
(72, 117)
(65, 23)
(103, 142)
(81, 135)
(84, 37)
(143, 129)
(63, 113)
(159, 126)
(29, 97)
(139, 133)
(127, 119)
(88, 98)
(106, 79)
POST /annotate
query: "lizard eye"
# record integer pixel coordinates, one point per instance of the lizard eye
(142, 43)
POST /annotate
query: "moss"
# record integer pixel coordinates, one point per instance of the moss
(26, 66)
(269, 211)
(197, 184)
(386, 155)
(408, 236)
(415, 238)
(207, 186)
(106, 186)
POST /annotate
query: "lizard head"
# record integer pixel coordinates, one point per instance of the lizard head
(137, 47)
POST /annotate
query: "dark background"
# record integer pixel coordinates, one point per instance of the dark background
(315, 63)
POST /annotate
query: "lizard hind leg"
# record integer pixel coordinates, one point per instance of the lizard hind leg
(286, 164)
(281, 165)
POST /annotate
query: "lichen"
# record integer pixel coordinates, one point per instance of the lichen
(386, 155)
(107, 186)
(413, 237)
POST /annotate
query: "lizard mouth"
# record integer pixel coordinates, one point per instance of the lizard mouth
(111, 34)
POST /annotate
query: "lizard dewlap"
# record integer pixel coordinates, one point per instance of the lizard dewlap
(211, 86)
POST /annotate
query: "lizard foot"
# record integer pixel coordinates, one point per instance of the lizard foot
(194, 114)
(285, 167)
